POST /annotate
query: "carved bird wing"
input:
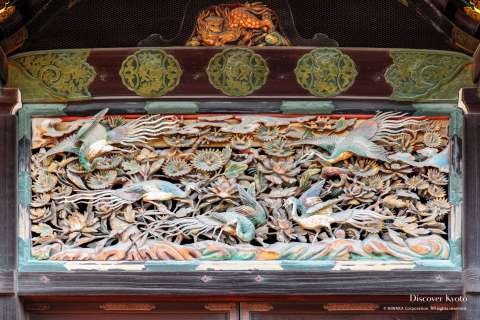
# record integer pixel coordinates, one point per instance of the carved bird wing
(314, 191)
(328, 143)
(246, 211)
(317, 209)
(362, 147)
(246, 198)
(89, 126)
(68, 144)
(259, 216)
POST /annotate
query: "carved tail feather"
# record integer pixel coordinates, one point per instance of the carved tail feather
(393, 123)
(142, 130)
(105, 200)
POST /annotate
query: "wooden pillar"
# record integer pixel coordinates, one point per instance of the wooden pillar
(9, 303)
(471, 231)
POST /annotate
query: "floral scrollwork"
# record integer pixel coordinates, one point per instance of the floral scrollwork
(417, 74)
(150, 72)
(237, 72)
(326, 72)
(65, 74)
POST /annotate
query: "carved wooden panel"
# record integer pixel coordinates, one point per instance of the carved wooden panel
(252, 187)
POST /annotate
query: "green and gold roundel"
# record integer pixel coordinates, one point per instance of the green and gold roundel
(237, 72)
(150, 72)
(325, 72)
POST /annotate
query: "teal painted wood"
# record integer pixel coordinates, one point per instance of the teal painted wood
(307, 107)
(173, 107)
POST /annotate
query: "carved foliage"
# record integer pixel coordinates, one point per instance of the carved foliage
(64, 74)
(240, 187)
(150, 72)
(417, 74)
(237, 72)
(325, 72)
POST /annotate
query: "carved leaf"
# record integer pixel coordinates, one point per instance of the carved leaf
(234, 170)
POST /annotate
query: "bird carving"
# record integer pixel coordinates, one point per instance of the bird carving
(433, 158)
(360, 218)
(310, 202)
(239, 222)
(148, 191)
(363, 140)
(94, 139)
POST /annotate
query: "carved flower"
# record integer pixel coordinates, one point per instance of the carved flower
(404, 143)
(364, 167)
(355, 194)
(436, 177)
(241, 143)
(439, 207)
(180, 141)
(45, 182)
(436, 191)
(40, 200)
(374, 183)
(217, 135)
(283, 227)
(267, 134)
(78, 224)
(104, 163)
(176, 168)
(208, 160)
(395, 170)
(279, 171)
(416, 182)
(76, 167)
(278, 148)
(40, 214)
(221, 189)
(432, 139)
(102, 179)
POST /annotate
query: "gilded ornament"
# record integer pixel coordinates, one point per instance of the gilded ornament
(150, 72)
(63, 74)
(418, 74)
(237, 72)
(326, 72)
(246, 24)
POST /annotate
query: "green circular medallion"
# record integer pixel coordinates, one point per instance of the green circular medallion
(150, 72)
(237, 72)
(325, 72)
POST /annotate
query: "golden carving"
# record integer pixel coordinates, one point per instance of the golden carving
(150, 72)
(248, 24)
(237, 72)
(63, 74)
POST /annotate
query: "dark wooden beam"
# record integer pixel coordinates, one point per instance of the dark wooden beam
(240, 282)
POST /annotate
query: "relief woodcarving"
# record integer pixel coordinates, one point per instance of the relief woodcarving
(247, 24)
(240, 187)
